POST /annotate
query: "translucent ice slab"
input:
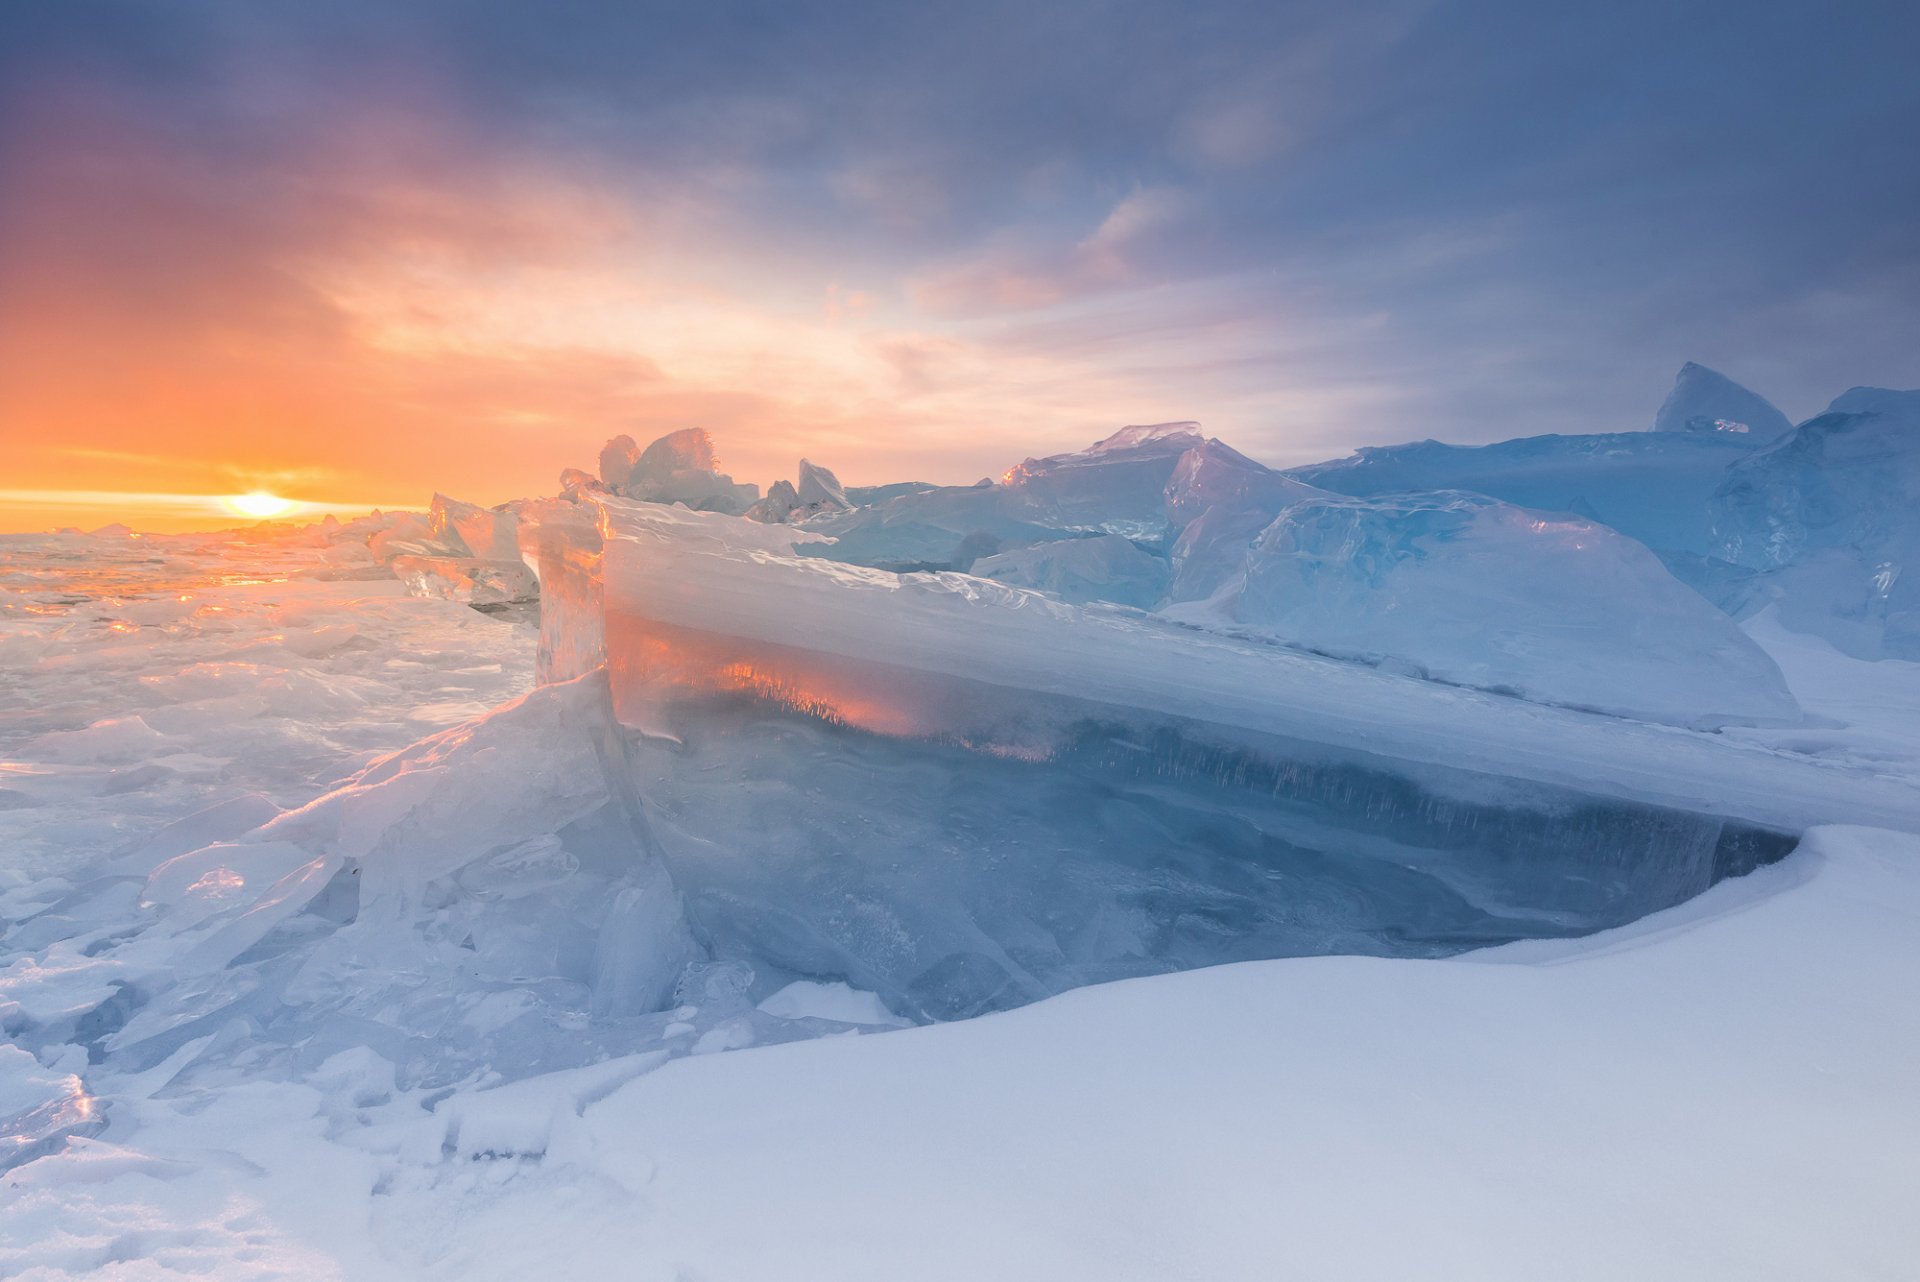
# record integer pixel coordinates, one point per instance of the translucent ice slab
(963, 796)
(666, 568)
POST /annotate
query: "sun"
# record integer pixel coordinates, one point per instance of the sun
(259, 503)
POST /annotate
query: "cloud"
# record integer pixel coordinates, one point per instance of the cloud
(1030, 277)
(386, 248)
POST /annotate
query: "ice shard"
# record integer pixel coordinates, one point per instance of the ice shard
(1707, 401)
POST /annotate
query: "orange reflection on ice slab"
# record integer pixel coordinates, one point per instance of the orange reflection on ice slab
(654, 666)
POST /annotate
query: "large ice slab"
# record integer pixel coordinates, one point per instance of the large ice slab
(1652, 486)
(959, 795)
(1832, 515)
(729, 578)
(947, 527)
(1467, 589)
(1117, 484)
(1105, 567)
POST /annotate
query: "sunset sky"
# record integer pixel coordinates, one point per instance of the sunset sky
(352, 252)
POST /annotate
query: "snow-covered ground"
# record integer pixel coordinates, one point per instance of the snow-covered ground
(1724, 1089)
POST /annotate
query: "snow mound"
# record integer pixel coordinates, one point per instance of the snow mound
(1467, 589)
(1704, 401)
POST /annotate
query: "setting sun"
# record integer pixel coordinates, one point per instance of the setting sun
(258, 503)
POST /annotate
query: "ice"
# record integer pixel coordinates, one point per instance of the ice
(509, 856)
(778, 505)
(39, 1108)
(680, 467)
(1467, 589)
(458, 552)
(1652, 486)
(468, 580)
(949, 527)
(819, 488)
(1105, 567)
(1217, 500)
(1210, 556)
(1117, 484)
(1214, 475)
(488, 534)
(1094, 794)
(817, 492)
(408, 534)
(1831, 514)
(451, 1001)
(560, 543)
(1704, 401)
(715, 575)
(617, 459)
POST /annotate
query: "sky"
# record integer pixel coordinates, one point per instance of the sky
(354, 252)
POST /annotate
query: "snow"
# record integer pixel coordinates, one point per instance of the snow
(804, 999)
(1706, 401)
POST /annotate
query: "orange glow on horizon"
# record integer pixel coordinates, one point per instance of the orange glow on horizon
(29, 511)
(451, 318)
(259, 504)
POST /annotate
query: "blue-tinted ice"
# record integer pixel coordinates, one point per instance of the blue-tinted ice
(959, 847)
